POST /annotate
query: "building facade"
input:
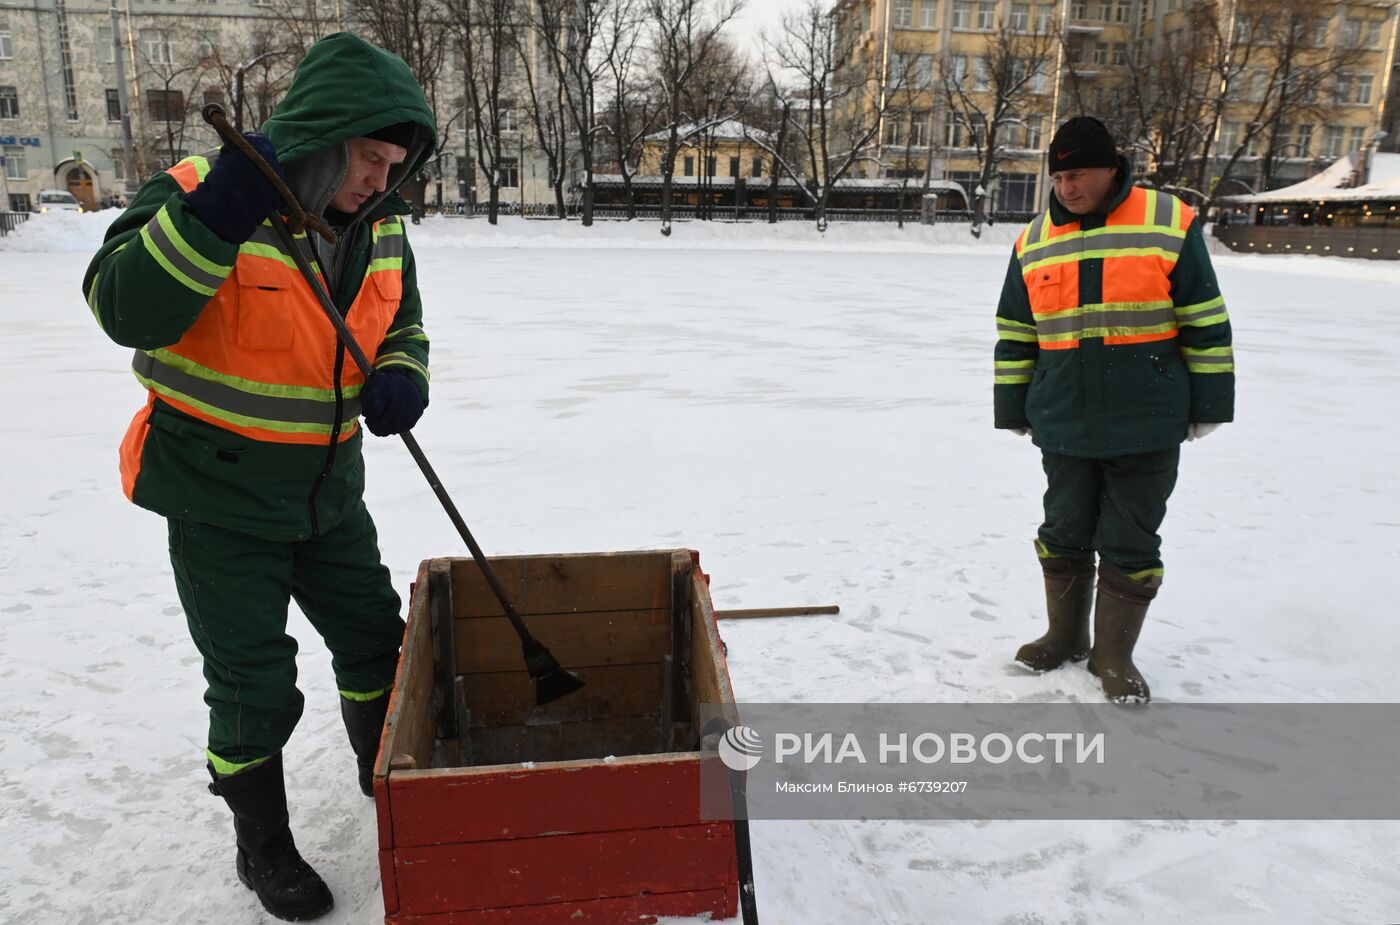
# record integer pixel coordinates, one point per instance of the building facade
(948, 68)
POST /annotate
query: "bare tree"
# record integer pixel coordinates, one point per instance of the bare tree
(485, 29)
(166, 61)
(573, 31)
(544, 106)
(839, 101)
(632, 110)
(683, 34)
(714, 98)
(986, 94)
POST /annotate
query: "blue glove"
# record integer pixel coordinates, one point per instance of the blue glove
(391, 403)
(235, 197)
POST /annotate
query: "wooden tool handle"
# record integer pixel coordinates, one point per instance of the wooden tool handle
(775, 612)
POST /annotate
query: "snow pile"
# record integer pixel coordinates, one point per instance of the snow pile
(60, 232)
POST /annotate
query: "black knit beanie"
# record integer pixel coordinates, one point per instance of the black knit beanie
(400, 133)
(1082, 142)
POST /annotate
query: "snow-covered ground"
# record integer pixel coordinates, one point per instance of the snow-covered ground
(813, 415)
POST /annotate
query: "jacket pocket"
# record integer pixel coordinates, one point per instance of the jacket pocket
(1045, 285)
(264, 306)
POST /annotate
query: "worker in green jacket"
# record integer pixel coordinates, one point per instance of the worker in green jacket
(248, 442)
(1113, 347)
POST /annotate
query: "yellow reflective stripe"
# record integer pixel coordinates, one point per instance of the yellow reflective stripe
(1147, 573)
(173, 271)
(187, 365)
(1149, 211)
(1013, 372)
(194, 256)
(254, 249)
(1104, 253)
(1209, 359)
(364, 698)
(1113, 331)
(412, 332)
(201, 166)
(1106, 230)
(385, 263)
(1202, 314)
(225, 768)
(239, 419)
(401, 359)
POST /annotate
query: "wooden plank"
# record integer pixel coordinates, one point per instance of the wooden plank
(507, 802)
(634, 910)
(758, 613)
(609, 637)
(388, 882)
(563, 741)
(507, 698)
(710, 674)
(565, 584)
(444, 651)
(409, 723)
(563, 868)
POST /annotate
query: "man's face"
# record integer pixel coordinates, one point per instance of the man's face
(1083, 191)
(370, 163)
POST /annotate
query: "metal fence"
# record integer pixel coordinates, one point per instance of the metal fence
(9, 221)
(756, 214)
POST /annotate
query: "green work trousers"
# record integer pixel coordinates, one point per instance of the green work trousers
(235, 589)
(1111, 506)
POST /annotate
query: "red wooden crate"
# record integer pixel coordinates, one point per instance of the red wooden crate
(586, 810)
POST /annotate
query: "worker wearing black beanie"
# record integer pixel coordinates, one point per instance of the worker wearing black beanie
(1085, 167)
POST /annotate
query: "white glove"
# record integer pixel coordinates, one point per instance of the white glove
(1023, 431)
(1196, 431)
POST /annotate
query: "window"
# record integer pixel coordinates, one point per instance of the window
(1124, 11)
(924, 66)
(1018, 192)
(957, 70)
(689, 165)
(1020, 17)
(509, 121)
(105, 47)
(756, 170)
(1373, 33)
(1044, 19)
(1304, 141)
(7, 47)
(118, 163)
(961, 134)
(986, 16)
(918, 128)
(962, 14)
(1351, 33)
(1229, 138)
(1040, 80)
(1033, 136)
(1356, 138)
(1079, 9)
(894, 129)
(208, 40)
(156, 46)
(981, 74)
(114, 105)
(1120, 54)
(165, 105)
(928, 14)
(9, 103)
(903, 14)
(1100, 52)
(1364, 83)
(710, 166)
(734, 165)
(1332, 147)
(15, 166)
(19, 202)
(1319, 35)
(509, 173)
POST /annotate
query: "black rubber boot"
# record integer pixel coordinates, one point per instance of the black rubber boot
(1118, 615)
(364, 723)
(1069, 596)
(268, 861)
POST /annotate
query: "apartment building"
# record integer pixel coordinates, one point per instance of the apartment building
(949, 67)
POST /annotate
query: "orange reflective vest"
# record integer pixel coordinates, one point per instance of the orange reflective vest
(1139, 245)
(260, 359)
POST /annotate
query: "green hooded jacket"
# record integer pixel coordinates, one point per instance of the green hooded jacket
(343, 89)
(1102, 400)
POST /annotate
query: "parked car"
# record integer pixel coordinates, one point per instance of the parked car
(58, 200)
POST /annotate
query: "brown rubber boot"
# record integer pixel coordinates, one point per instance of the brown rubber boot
(1118, 614)
(1069, 595)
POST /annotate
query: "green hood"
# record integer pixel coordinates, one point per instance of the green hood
(343, 88)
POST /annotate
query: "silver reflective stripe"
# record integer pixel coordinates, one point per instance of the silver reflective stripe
(1109, 240)
(1204, 313)
(170, 252)
(1163, 213)
(264, 234)
(1103, 318)
(1035, 229)
(388, 245)
(246, 404)
(1194, 360)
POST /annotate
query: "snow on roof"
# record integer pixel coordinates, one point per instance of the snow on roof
(1330, 184)
(729, 130)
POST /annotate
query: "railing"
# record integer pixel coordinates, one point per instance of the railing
(758, 214)
(9, 221)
